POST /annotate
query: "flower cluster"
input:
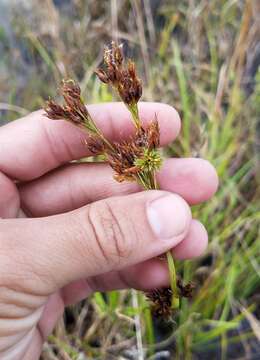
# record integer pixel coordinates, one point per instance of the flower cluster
(73, 109)
(161, 299)
(121, 76)
(133, 160)
(136, 159)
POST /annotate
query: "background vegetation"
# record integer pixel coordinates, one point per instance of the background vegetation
(201, 57)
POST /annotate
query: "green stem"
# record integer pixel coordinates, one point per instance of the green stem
(91, 127)
(171, 266)
(173, 281)
(149, 182)
(135, 115)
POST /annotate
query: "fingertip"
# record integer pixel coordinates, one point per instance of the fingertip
(208, 180)
(194, 244)
(213, 178)
(195, 179)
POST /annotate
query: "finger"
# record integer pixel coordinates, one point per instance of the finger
(76, 185)
(9, 198)
(194, 244)
(35, 144)
(105, 236)
(147, 275)
(194, 179)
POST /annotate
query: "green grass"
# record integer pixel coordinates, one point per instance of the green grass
(197, 65)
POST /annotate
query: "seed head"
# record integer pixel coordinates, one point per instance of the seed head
(150, 160)
(96, 145)
(185, 290)
(73, 108)
(136, 155)
(55, 111)
(161, 299)
(122, 77)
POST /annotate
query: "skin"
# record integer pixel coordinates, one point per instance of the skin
(67, 230)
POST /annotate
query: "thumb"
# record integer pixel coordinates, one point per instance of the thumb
(48, 253)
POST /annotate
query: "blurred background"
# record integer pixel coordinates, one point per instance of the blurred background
(202, 57)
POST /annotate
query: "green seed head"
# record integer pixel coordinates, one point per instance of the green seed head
(150, 161)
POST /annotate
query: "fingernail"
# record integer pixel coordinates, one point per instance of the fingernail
(168, 216)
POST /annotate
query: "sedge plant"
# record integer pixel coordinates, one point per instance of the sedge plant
(136, 159)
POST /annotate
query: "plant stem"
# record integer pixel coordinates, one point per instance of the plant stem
(171, 266)
(173, 281)
(91, 127)
(135, 115)
(149, 182)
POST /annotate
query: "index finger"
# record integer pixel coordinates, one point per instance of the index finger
(34, 145)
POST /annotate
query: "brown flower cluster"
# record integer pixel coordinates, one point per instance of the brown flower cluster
(121, 76)
(74, 109)
(132, 158)
(128, 159)
(161, 299)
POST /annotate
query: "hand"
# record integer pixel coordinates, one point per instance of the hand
(85, 232)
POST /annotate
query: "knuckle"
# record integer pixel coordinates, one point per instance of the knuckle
(110, 232)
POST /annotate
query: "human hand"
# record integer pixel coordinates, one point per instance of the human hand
(83, 231)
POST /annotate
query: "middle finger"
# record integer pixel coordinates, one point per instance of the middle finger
(76, 185)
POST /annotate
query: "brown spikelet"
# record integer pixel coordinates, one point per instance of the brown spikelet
(55, 111)
(185, 290)
(102, 76)
(73, 108)
(96, 145)
(153, 135)
(161, 299)
(122, 77)
(128, 158)
(71, 93)
(122, 160)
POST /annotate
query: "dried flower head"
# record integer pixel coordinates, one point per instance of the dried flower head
(133, 159)
(121, 76)
(97, 145)
(161, 299)
(185, 290)
(73, 109)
